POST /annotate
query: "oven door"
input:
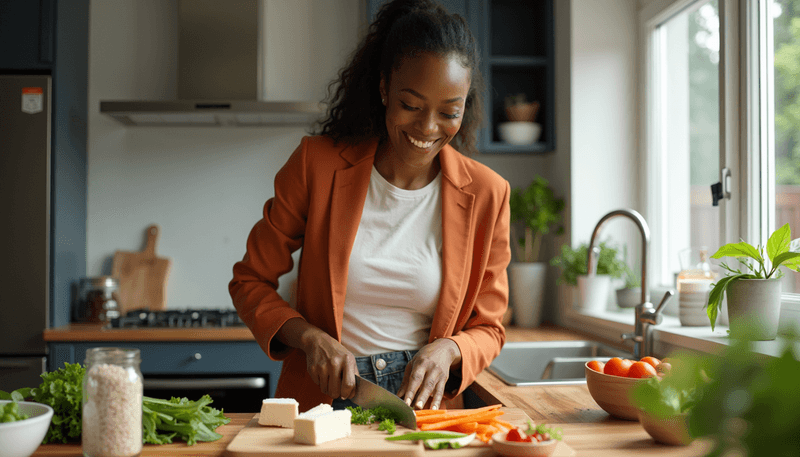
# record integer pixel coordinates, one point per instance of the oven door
(240, 393)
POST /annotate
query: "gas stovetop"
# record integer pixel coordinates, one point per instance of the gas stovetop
(186, 318)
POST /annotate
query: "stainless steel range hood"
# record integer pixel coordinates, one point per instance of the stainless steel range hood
(220, 74)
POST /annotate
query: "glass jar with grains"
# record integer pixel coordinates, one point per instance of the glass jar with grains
(112, 403)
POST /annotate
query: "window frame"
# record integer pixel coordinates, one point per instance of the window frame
(744, 132)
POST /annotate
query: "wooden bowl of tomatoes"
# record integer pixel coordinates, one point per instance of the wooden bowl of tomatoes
(610, 383)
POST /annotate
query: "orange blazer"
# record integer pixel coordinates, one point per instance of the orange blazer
(319, 196)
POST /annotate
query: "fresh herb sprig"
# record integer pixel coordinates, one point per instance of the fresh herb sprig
(380, 414)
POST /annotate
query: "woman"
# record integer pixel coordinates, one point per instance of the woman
(402, 276)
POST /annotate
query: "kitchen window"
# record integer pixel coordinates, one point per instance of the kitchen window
(722, 105)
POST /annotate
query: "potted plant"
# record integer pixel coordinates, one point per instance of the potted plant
(630, 294)
(754, 295)
(521, 127)
(594, 291)
(537, 210)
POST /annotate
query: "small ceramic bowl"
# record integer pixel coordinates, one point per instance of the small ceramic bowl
(517, 449)
(519, 132)
(22, 438)
(672, 430)
(612, 393)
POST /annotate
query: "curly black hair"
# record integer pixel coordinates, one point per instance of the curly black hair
(402, 28)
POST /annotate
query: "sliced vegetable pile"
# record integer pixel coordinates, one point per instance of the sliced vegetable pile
(162, 420)
(437, 439)
(483, 422)
(384, 416)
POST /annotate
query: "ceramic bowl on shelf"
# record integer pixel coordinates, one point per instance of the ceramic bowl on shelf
(672, 430)
(518, 449)
(22, 438)
(612, 393)
(519, 132)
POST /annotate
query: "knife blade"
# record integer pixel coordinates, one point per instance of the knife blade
(369, 395)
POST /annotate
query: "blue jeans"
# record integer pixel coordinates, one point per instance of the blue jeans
(388, 376)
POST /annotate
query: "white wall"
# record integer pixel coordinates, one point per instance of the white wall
(205, 187)
(605, 163)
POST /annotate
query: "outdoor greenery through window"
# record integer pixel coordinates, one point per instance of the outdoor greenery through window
(785, 146)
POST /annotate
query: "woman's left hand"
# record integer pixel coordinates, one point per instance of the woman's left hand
(427, 373)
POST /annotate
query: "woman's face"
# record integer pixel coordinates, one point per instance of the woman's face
(425, 100)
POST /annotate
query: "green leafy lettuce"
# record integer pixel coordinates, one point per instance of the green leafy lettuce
(191, 421)
(10, 413)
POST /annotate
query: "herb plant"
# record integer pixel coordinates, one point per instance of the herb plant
(756, 265)
(574, 262)
(537, 209)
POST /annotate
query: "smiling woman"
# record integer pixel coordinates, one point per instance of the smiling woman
(405, 241)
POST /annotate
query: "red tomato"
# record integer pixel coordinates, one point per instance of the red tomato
(514, 435)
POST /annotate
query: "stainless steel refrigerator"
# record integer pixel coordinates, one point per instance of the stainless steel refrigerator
(25, 127)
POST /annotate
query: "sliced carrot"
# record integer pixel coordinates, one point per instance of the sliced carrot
(453, 414)
(429, 412)
(495, 421)
(477, 417)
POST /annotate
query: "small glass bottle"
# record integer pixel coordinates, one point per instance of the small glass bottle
(112, 403)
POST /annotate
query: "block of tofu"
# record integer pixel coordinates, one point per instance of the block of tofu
(321, 424)
(279, 412)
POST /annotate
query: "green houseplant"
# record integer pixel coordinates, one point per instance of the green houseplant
(574, 270)
(754, 293)
(537, 210)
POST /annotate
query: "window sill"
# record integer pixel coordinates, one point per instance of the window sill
(668, 336)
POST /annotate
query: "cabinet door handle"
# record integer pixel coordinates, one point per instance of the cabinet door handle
(198, 356)
(209, 383)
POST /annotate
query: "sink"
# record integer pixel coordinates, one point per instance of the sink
(534, 363)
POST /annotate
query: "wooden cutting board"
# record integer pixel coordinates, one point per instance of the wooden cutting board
(142, 276)
(366, 441)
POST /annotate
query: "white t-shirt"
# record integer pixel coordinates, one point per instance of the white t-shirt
(395, 272)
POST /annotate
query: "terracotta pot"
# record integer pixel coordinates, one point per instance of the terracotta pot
(522, 112)
(754, 306)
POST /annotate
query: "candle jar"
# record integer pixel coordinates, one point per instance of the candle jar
(112, 403)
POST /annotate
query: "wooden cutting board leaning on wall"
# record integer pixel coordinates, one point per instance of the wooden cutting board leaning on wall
(142, 276)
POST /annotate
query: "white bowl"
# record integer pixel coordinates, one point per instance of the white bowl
(22, 438)
(519, 132)
(517, 449)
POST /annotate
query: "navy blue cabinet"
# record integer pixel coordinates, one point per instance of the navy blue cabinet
(26, 34)
(185, 360)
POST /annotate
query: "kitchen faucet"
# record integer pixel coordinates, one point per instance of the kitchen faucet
(645, 314)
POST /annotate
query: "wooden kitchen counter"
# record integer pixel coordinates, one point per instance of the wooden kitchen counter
(96, 332)
(587, 428)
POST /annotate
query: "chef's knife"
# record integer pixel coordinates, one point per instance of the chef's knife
(369, 395)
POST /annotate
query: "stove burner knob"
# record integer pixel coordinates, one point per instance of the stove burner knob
(195, 315)
(198, 356)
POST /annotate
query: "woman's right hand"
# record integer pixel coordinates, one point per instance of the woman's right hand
(329, 363)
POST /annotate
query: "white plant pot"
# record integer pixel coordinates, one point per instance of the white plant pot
(526, 283)
(754, 307)
(629, 298)
(593, 292)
